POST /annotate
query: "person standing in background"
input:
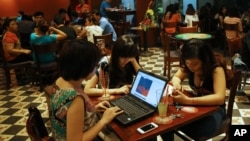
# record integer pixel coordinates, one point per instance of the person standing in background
(105, 5)
(191, 15)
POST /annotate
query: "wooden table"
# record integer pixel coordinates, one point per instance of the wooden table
(129, 133)
(145, 52)
(118, 13)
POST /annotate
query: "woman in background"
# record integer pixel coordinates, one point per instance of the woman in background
(42, 36)
(191, 15)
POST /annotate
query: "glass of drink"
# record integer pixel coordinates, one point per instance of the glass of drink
(162, 109)
(162, 117)
(104, 84)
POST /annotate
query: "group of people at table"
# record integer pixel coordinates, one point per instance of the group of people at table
(73, 115)
(211, 19)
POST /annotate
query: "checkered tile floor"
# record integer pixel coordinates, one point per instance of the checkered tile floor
(14, 103)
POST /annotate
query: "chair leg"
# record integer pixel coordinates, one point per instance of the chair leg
(169, 70)
(164, 69)
(7, 79)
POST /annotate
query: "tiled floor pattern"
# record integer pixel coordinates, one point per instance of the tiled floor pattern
(15, 101)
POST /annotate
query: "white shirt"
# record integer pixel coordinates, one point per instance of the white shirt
(93, 30)
(190, 18)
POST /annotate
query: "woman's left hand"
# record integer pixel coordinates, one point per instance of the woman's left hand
(102, 106)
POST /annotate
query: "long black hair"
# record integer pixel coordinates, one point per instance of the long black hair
(123, 47)
(195, 48)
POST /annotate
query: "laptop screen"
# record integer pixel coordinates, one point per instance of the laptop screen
(148, 87)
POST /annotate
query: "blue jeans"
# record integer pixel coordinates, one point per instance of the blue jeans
(206, 126)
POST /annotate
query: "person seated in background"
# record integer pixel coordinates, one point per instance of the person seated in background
(245, 18)
(172, 15)
(73, 115)
(207, 77)
(104, 24)
(191, 15)
(19, 16)
(82, 7)
(233, 18)
(13, 52)
(68, 30)
(105, 5)
(90, 29)
(37, 16)
(63, 12)
(42, 36)
(121, 65)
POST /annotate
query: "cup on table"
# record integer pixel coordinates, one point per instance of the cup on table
(163, 109)
(104, 83)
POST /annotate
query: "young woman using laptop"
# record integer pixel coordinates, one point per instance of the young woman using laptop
(121, 65)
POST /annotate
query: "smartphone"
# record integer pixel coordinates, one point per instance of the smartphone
(146, 128)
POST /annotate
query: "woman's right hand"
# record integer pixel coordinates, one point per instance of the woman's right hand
(110, 113)
(124, 89)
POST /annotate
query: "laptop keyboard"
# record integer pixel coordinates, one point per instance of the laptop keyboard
(131, 108)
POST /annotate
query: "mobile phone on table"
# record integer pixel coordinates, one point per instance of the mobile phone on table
(146, 128)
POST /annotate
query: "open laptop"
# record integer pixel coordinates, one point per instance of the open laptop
(144, 96)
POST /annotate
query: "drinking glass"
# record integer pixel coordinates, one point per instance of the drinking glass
(104, 84)
(162, 117)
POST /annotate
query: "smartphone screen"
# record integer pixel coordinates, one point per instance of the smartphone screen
(147, 127)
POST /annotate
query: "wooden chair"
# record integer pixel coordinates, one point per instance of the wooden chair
(234, 46)
(45, 73)
(193, 29)
(23, 67)
(35, 126)
(170, 56)
(104, 42)
(199, 25)
(225, 126)
(232, 28)
(169, 25)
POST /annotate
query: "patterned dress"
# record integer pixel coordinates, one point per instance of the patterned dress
(59, 104)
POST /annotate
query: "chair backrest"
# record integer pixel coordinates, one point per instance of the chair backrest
(44, 49)
(169, 27)
(196, 23)
(3, 60)
(193, 29)
(233, 90)
(35, 126)
(103, 41)
(231, 27)
(234, 46)
(169, 24)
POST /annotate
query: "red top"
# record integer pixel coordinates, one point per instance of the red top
(10, 37)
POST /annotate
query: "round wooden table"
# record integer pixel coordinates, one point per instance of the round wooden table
(188, 36)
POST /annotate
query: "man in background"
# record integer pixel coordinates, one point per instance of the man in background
(104, 24)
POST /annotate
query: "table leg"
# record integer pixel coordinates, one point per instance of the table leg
(145, 52)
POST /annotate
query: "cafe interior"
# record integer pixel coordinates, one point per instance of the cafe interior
(154, 43)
